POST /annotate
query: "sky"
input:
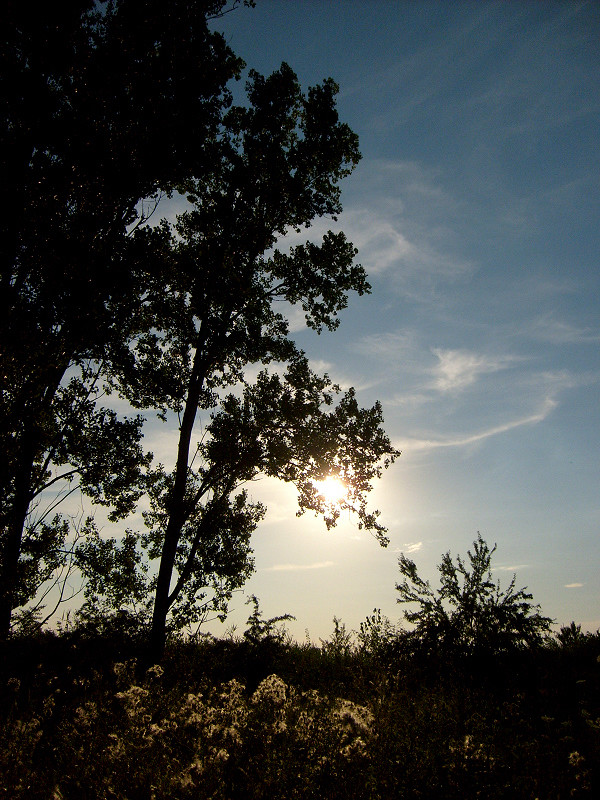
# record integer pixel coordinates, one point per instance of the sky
(475, 210)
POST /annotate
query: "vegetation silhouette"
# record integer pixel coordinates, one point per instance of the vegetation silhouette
(109, 107)
(169, 316)
(470, 612)
(260, 715)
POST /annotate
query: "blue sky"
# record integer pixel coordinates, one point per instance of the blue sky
(475, 210)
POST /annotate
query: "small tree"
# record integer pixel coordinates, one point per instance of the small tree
(470, 612)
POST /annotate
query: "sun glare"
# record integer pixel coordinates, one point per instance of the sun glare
(332, 489)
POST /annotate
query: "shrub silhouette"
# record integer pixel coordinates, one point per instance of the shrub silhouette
(469, 613)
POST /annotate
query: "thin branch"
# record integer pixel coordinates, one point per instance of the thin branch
(60, 498)
(144, 217)
(187, 568)
(221, 14)
(54, 480)
(75, 411)
(62, 598)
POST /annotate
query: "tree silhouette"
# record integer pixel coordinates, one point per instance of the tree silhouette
(279, 163)
(110, 107)
(469, 613)
(105, 105)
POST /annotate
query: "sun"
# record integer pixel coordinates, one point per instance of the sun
(332, 490)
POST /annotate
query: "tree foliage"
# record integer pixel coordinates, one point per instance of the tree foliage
(281, 158)
(470, 612)
(111, 107)
(105, 105)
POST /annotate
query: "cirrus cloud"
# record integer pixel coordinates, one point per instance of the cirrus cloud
(457, 369)
(548, 405)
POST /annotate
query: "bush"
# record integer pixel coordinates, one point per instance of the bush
(470, 614)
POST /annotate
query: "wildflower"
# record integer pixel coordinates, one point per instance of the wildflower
(312, 696)
(86, 713)
(155, 672)
(197, 766)
(132, 698)
(272, 691)
(133, 693)
(305, 725)
(354, 717)
(192, 698)
(185, 779)
(469, 749)
(576, 759)
(120, 669)
(30, 730)
(234, 707)
(233, 734)
(356, 749)
(192, 712)
(233, 691)
(116, 747)
(123, 670)
(48, 704)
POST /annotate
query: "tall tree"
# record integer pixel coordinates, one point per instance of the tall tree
(104, 105)
(116, 103)
(280, 160)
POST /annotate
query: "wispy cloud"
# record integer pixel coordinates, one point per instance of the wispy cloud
(402, 249)
(573, 585)
(413, 445)
(297, 567)
(409, 401)
(379, 241)
(387, 345)
(400, 218)
(556, 331)
(513, 568)
(320, 365)
(294, 314)
(409, 547)
(457, 369)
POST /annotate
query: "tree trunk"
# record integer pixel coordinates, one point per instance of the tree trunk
(12, 521)
(14, 524)
(156, 643)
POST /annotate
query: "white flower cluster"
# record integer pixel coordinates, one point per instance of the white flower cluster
(354, 717)
(356, 724)
(271, 691)
(193, 742)
(134, 698)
